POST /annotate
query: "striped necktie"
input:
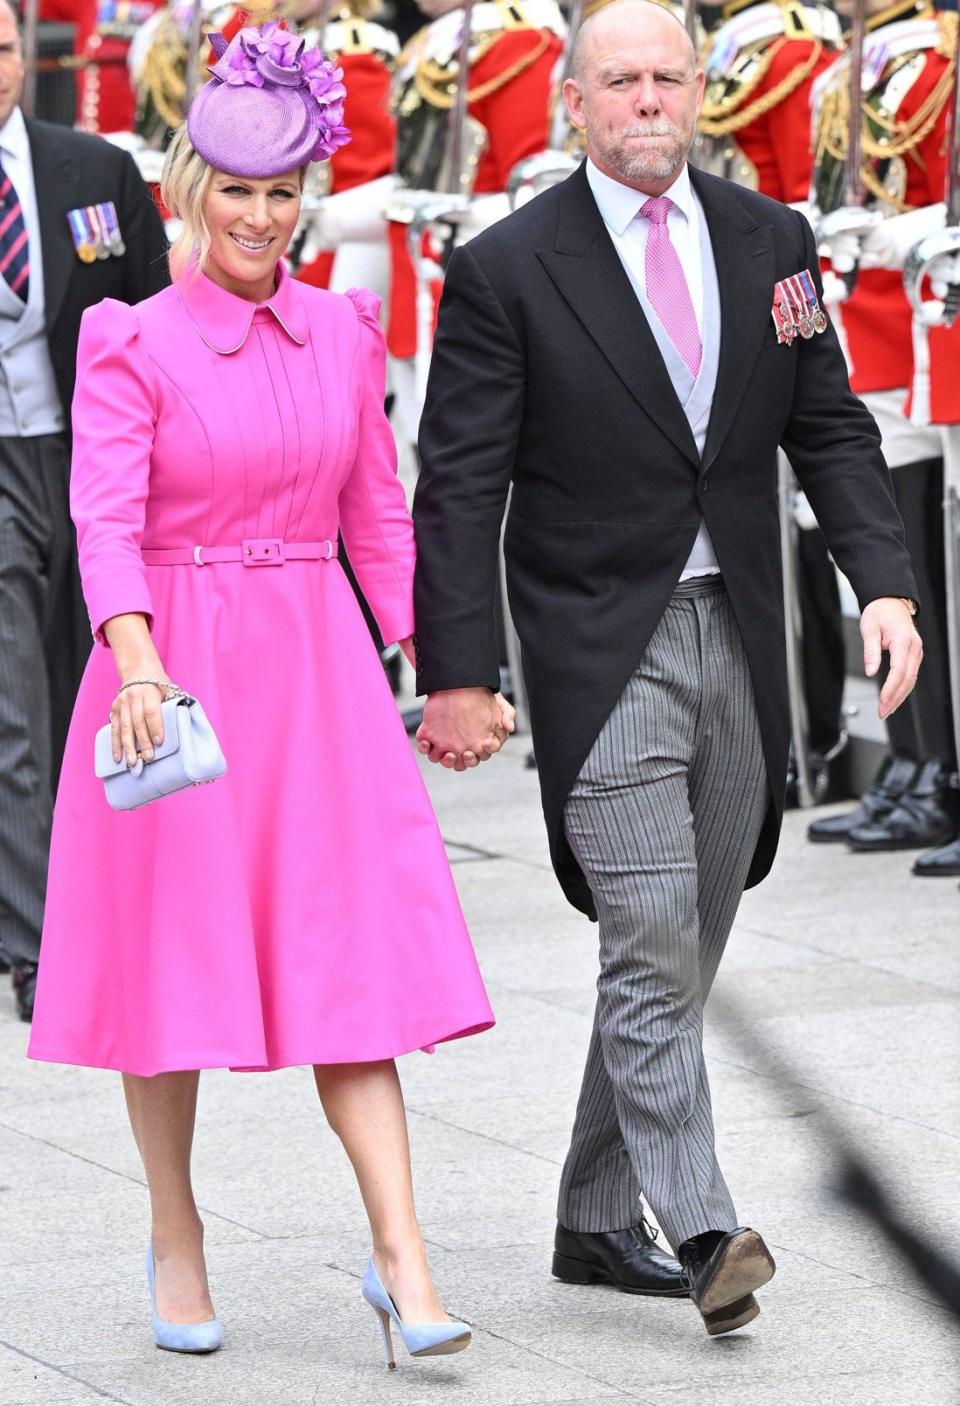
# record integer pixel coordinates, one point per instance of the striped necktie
(14, 251)
(667, 287)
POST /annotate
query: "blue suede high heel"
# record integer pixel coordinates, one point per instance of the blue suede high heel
(420, 1339)
(181, 1337)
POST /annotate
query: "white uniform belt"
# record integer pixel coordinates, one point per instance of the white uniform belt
(252, 551)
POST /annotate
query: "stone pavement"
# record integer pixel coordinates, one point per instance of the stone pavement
(848, 966)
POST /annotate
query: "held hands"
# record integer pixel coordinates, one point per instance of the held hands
(886, 624)
(464, 726)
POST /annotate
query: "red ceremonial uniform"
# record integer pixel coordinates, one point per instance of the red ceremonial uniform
(511, 82)
(103, 31)
(761, 64)
(366, 57)
(911, 94)
(777, 142)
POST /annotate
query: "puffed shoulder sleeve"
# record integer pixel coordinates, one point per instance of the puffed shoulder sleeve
(114, 416)
(374, 518)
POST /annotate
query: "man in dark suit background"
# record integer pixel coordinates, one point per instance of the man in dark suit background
(610, 349)
(45, 173)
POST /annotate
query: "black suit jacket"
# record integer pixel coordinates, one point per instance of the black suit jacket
(71, 169)
(546, 373)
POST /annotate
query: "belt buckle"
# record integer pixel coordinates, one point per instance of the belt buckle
(262, 551)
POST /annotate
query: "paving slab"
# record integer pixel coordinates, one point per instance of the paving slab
(846, 970)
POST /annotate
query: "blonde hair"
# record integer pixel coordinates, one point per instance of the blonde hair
(184, 186)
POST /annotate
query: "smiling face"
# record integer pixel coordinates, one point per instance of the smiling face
(636, 93)
(251, 222)
(11, 63)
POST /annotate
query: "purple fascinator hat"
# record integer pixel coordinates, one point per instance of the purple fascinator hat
(270, 106)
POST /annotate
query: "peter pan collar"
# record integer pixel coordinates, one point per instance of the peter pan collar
(223, 320)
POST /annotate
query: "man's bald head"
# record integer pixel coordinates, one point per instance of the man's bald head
(635, 91)
(597, 28)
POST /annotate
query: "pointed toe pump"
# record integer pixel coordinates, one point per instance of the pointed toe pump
(181, 1337)
(420, 1339)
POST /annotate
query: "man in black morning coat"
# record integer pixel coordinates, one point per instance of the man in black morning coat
(610, 349)
(45, 286)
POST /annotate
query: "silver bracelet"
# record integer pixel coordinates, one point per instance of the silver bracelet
(172, 689)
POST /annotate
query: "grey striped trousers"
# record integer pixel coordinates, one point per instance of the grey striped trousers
(44, 643)
(663, 819)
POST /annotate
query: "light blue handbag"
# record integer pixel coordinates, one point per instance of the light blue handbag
(189, 755)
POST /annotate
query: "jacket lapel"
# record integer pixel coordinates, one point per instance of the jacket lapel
(587, 271)
(744, 258)
(55, 183)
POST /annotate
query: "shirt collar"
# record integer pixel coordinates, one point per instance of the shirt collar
(619, 204)
(223, 319)
(13, 135)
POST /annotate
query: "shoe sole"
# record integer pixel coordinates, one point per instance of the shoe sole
(952, 873)
(445, 1349)
(745, 1265)
(826, 839)
(893, 846)
(735, 1315)
(571, 1271)
(189, 1351)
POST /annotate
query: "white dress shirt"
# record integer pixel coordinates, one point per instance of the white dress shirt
(619, 207)
(29, 401)
(15, 155)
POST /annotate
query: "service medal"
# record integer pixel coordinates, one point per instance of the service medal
(783, 335)
(801, 305)
(108, 214)
(788, 312)
(817, 315)
(100, 242)
(786, 320)
(79, 234)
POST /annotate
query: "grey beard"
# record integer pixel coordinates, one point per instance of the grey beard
(655, 167)
(650, 165)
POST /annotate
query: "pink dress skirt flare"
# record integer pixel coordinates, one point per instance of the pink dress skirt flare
(301, 909)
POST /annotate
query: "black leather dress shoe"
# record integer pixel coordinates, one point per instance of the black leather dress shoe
(924, 816)
(24, 980)
(628, 1259)
(892, 780)
(942, 863)
(723, 1269)
(4, 965)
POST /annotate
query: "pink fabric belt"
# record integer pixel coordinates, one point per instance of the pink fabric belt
(252, 551)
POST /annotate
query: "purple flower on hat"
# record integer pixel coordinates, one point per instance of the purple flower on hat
(274, 43)
(236, 67)
(329, 140)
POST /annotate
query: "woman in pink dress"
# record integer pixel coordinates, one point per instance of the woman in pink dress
(300, 910)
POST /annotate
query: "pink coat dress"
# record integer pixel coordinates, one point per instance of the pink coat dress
(301, 909)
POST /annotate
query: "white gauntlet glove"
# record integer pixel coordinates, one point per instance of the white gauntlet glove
(350, 216)
(888, 244)
(944, 273)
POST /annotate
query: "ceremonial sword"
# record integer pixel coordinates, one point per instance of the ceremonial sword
(28, 98)
(926, 313)
(851, 217)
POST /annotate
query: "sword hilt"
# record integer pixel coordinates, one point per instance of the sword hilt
(917, 267)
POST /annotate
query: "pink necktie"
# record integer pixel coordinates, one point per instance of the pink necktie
(666, 286)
